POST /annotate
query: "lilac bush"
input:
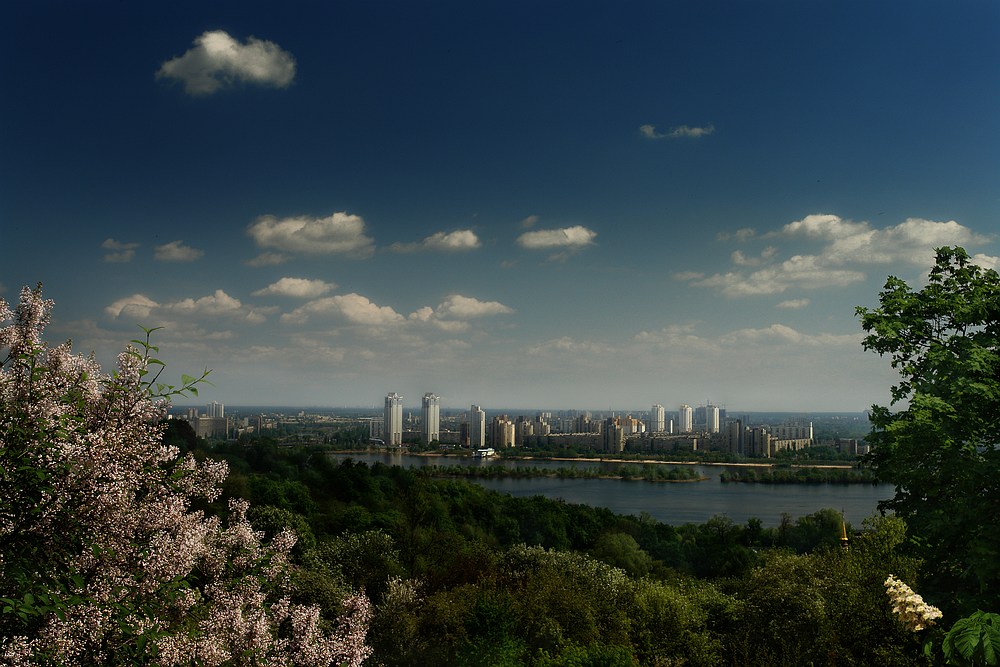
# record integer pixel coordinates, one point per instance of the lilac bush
(102, 558)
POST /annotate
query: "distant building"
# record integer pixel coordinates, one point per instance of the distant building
(477, 427)
(431, 429)
(685, 419)
(502, 432)
(614, 435)
(657, 419)
(392, 431)
(215, 409)
(711, 418)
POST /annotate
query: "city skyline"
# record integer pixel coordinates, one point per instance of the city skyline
(564, 205)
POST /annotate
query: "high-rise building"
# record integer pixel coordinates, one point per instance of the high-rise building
(477, 427)
(215, 409)
(685, 419)
(657, 419)
(432, 418)
(711, 418)
(502, 432)
(393, 430)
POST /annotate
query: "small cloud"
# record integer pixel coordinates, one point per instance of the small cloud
(267, 259)
(137, 306)
(800, 271)
(739, 258)
(452, 313)
(463, 307)
(355, 308)
(299, 288)
(679, 132)
(120, 252)
(462, 239)
(741, 235)
(577, 236)
(793, 304)
(689, 275)
(219, 303)
(567, 345)
(218, 61)
(340, 233)
(176, 251)
(529, 222)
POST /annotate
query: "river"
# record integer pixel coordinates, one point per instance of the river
(670, 502)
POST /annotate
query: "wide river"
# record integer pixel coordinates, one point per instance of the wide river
(670, 502)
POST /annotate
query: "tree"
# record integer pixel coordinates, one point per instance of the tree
(102, 559)
(940, 449)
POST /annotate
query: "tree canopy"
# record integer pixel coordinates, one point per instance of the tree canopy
(940, 447)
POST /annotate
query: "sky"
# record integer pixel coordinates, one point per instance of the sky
(559, 205)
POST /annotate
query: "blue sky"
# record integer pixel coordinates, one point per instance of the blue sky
(518, 204)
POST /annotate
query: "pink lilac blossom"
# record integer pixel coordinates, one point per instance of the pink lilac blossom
(111, 514)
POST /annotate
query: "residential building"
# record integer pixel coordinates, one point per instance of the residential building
(431, 427)
(392, 431)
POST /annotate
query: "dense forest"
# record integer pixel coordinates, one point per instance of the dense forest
(461, 575)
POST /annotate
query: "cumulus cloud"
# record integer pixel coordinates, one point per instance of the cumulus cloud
(120, 252)
(139, 306)
(462, 239)
(217, 61)
(577, 236)
(453, 313)
(781, 334)
(679, 132)
(843, 249)
(355, 308)
(793, 304)
(986, 261)
(800, 271)
(912, 241)
(341, 233)
(176, 251)
(299, 288)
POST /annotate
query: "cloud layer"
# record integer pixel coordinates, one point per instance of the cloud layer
(217, 61)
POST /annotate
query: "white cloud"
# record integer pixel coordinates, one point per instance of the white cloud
(577, 236)
(452, 313)
(176, 251)
(844, 248)
(780, 334)
(681, 131)
(463, 307)
(218, 61)
(139, 306)
(340, 233)
(462, 239)
(120, 252)
(986, 261)
(912, 241)
(300, 288)
(793, 304)
(355, 308)
(529, 222)
(800, 271)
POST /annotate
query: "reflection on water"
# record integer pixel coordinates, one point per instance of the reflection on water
(674, 503)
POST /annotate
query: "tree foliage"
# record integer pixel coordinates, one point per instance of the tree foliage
(941, 449)
(102, 558)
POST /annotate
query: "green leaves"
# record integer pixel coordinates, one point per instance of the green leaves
(973, 641)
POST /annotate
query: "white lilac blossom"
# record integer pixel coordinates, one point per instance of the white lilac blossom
(910, 608)
(100, 552)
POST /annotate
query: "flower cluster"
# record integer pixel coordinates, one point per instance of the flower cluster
(913, 612)
(100, 551)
